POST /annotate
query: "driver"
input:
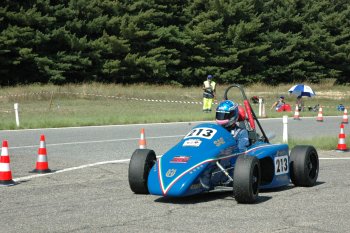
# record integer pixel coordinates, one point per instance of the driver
(227, 115)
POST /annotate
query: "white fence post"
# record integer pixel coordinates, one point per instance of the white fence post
(260, 107)
(263, 110)
(16, 113)
(285, 129)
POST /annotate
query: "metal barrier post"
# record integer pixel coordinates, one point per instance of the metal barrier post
(260, 107)
(285, 129)
(16, 113)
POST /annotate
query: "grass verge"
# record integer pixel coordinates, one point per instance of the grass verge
(320, 143)
(43, 106)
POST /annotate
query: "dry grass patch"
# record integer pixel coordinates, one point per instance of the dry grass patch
(98, 104)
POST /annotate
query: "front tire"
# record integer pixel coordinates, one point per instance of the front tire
(141, 162)
(304, 166)
(246, 179)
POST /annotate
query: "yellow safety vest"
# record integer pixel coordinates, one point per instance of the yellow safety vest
(209, 89)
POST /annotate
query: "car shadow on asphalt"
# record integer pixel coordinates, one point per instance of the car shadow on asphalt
(319, 183)
(285, 188)
(206, 197)
(280, 189)
(224, 194)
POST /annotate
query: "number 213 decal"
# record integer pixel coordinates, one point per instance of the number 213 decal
(281, 165)
(206, 133)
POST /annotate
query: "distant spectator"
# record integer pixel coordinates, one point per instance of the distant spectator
(255, 99)
(314, 108)
(300, 103)
(278, 104)
(340, 107)
(209, 88)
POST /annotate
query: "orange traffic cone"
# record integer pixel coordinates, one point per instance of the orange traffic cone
(5, 171)
(42, 165)
(341, 143)
(142, 141)
(320, 115)
(5, 151)
(296, 113)
(345, 116)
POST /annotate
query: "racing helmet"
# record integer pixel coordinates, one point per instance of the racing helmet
(227, 113)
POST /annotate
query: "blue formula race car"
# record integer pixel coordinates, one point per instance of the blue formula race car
(204, 160)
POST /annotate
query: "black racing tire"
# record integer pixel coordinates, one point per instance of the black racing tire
(141, 162)
(246, 179)
(304, 166)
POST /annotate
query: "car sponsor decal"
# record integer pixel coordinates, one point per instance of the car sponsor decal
(219, 142)
(281, 165)
(192, 142)
(206, 133)
(180, 159)
(170, 173)
(196, 186)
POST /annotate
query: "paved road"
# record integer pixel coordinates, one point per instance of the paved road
(96, 198)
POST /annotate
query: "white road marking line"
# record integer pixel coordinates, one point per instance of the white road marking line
(70, 169)
(99, 141)
(101, 163)
(334, 158)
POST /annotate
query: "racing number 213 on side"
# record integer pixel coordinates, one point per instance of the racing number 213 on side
(281, 165)
(206, 133)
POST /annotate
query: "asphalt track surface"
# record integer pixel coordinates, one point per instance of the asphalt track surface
(89, 191)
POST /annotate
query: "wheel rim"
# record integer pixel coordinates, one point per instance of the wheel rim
(312, 165)
(255, 180)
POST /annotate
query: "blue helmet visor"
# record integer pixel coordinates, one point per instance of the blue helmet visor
(224, 115)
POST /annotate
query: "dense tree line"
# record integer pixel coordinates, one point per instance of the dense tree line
(164, 41)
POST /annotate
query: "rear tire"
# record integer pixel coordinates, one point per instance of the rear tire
(246, 179)
(141, 162)
(304, 166)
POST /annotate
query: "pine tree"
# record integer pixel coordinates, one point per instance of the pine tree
(162, 41)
